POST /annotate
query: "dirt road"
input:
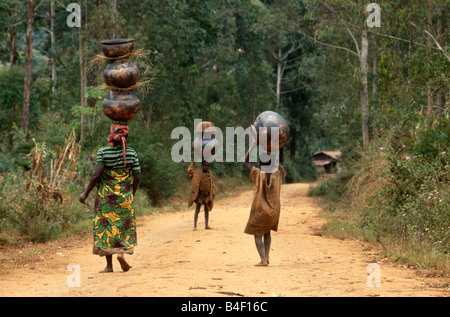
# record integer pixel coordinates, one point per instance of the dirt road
(173, 260)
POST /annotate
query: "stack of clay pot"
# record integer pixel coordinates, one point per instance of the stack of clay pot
(120, 73)
(267, 120)
(205, 140)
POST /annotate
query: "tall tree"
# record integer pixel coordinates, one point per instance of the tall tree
(82, 75)
(28, 68)
(281, 24)
(13, 35)
(349, 18)
(52, 45)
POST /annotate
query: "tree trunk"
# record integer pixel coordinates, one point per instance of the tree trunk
(374, 67)
(440, 103)
(28, 68)
(364, 89)
(52, 44)
(148, 122)
(440, 29)
(82, 79)
(114, 6)
(12, 38)
(279, 76)
(430, 103)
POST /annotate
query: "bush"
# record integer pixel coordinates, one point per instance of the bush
(413, 205)
(333, 188)
(299, 168)
(159, 174)
(25, 211)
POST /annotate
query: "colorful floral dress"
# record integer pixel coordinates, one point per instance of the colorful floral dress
(114, 214)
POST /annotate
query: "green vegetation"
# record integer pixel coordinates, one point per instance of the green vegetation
(378, 95)
(398, 194)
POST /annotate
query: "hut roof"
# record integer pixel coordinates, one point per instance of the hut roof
(323, 158)
(331, 154)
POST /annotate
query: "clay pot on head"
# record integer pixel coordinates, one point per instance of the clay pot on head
(205, 144)
(269, 119)
(117, 47)
(121, 106)
(202, 126)
(121, 73)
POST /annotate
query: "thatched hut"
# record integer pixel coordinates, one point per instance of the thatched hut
(329, 160)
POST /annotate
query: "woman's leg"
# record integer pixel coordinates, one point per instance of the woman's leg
(123, 264)
(109, 266)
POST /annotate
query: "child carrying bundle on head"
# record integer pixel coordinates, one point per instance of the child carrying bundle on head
(203, 191)
(265, 210)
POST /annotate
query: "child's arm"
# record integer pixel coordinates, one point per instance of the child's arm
(247, 164)
(281, 156)
(191, 169)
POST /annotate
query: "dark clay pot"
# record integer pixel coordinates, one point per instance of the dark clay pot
(205, 125)
(211, 143)
(121, 73)
(271, 119)
(121, 106)
(117, 47)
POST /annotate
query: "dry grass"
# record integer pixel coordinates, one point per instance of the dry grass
(48, 179)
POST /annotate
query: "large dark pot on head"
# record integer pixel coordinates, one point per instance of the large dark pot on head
(121, 106)
(205, 143)
(202, 126)
(269, 119)
(117, 47)
(121, 73)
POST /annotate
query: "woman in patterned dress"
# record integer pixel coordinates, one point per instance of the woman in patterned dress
(117, 176)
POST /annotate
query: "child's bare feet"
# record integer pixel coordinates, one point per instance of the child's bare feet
(123, 264)
(107, 270)
(262, 263)
(208, 227)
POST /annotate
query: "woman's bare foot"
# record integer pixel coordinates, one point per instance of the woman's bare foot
(107, 270)
(123, 264)
(208, 227)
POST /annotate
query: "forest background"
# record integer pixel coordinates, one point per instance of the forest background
(378, 94)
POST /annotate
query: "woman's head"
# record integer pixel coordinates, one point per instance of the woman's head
(118, 134)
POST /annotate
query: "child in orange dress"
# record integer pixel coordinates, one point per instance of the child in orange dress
(265, 209)
(203, 191)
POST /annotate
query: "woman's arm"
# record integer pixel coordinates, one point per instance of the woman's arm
(136, 182)
(92, 183)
